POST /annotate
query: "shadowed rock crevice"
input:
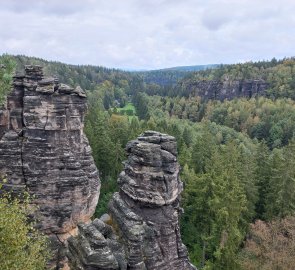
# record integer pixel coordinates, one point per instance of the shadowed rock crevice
(144, 214)
(226, 89)
(43, 150)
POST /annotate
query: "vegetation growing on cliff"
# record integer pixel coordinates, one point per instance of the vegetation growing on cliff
(231, 180)
(237, 156)
(22, 247)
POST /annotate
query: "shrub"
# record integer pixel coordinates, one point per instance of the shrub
(22, 247)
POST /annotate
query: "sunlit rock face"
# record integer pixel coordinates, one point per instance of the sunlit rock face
(43, 150)
(146, 209)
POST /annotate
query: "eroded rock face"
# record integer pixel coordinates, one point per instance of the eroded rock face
(96, 247)
(144, 215)
(221, 90)
(146, 209)
(43, 150)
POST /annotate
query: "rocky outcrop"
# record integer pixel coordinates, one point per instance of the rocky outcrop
(221, 90)
(144, 232)
(146, 209)
(43, 150)
(96, 247)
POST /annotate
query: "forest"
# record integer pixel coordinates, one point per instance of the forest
(237, 156)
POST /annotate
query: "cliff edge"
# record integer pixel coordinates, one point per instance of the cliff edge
(142, 230)
(44, 151)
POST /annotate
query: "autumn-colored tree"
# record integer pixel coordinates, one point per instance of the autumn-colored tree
(270, 245)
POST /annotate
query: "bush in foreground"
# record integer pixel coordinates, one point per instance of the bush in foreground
(22, 247)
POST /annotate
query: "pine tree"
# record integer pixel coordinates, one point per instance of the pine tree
(281, 195)
(215, 208)
(262, 175)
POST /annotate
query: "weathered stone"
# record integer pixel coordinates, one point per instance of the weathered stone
(79, 91)
(144, 232)
(65, 89)
(146, 209)
(226, 89)
(43, 150)
(47, 85)
(96, 247)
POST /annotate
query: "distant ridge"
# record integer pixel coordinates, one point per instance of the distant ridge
(171, 75)
(189, 68)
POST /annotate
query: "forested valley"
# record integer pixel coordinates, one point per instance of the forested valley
(237, 155)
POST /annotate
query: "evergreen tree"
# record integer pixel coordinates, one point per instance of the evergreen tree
(7, 66)
(281, 195)
(262, 175)
(215, 207)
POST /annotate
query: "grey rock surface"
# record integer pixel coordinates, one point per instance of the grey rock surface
(96, 247)
(146, 209)
(43, 150)
(221, 90)
(141, 231)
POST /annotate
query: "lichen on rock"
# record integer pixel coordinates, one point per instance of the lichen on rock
(144, 214)
(146, 208)
(43, 150)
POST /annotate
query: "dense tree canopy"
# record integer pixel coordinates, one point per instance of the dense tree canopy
(238, 156)
(7, 66)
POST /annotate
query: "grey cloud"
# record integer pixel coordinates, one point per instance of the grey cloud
(55, 7)
(214, 21)
(148, 34)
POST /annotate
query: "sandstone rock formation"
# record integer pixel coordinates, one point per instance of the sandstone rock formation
(146, 209)
(221, 90)
(96, 247)
(144, 215)
(43, 150)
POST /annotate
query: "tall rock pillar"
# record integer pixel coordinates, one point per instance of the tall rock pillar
(146, 209)
(44, 151)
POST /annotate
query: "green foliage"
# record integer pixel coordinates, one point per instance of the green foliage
(7, 66)
(263, 173)
(261, 118)
(22, 247)
(237, 156)
(280, 198)
(109, 186)
(141, 101)
(280, 75)
(87, 76)
(216, 212)
(108, 133)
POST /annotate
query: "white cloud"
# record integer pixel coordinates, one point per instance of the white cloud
(148, 34)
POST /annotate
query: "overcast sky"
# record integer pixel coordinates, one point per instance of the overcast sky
(148, 34)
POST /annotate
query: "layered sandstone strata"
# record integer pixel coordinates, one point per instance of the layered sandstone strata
(226, 89)
(43, 150)
(144, 215)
